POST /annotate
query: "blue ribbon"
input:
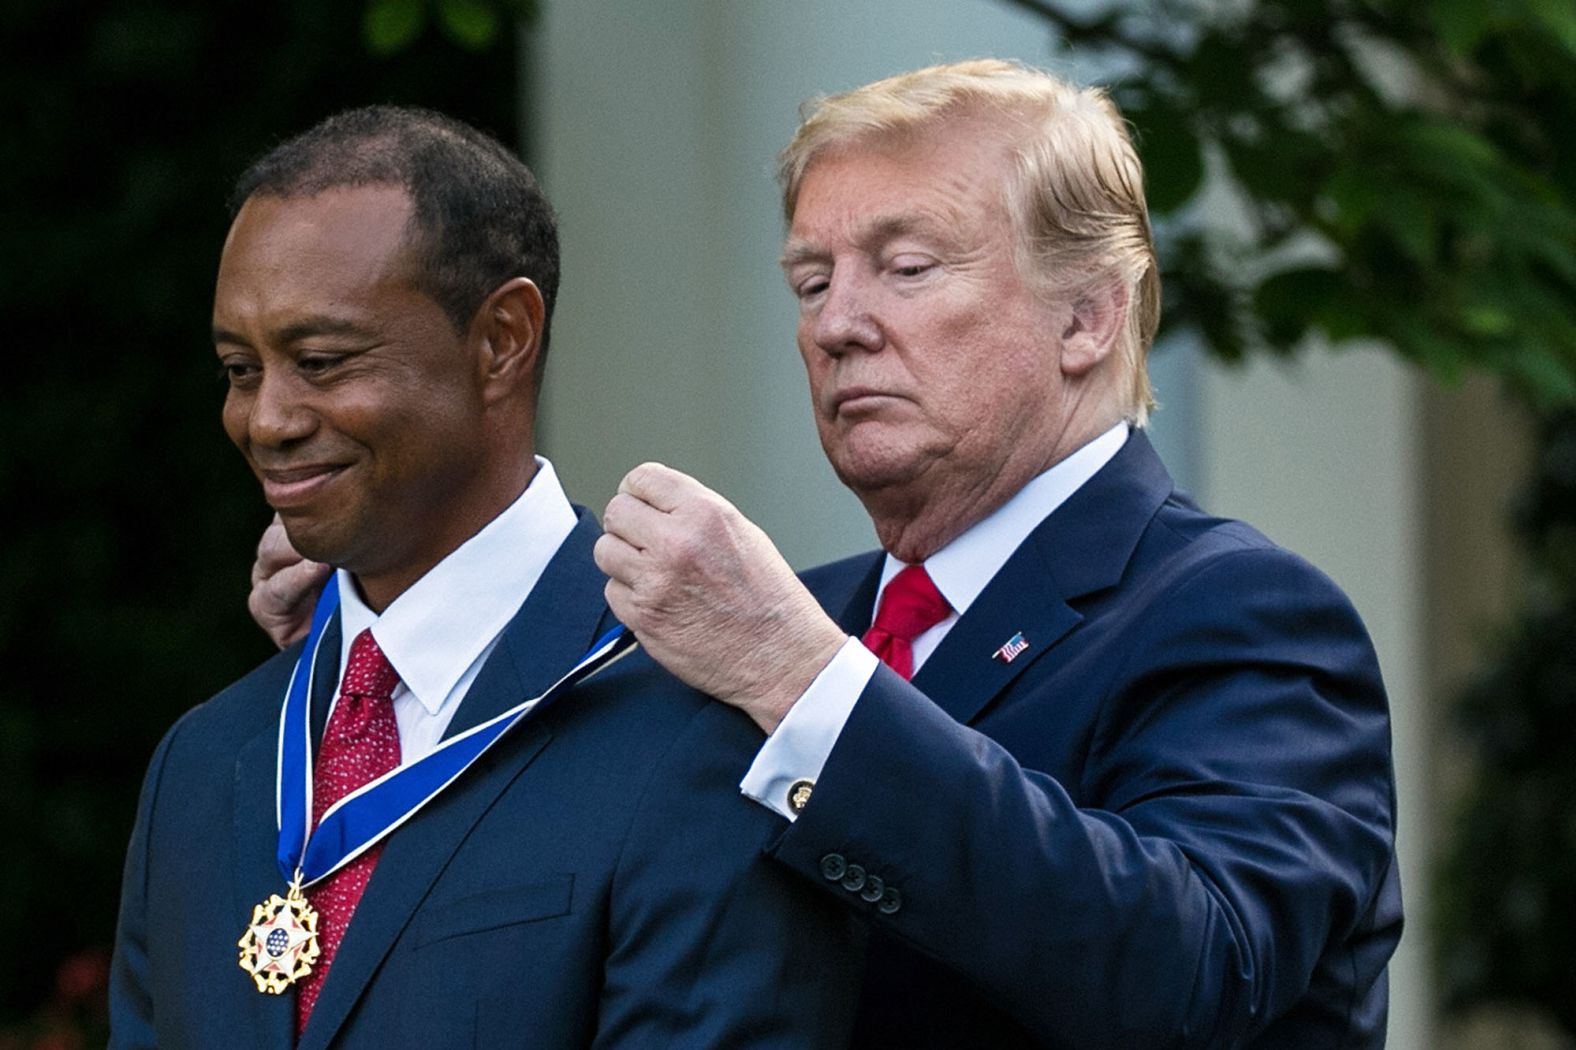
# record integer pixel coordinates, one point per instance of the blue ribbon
(362, 818)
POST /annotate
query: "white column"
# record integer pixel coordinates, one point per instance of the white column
(1323, 456)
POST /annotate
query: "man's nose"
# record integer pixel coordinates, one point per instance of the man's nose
(846, 321)
(279, 414)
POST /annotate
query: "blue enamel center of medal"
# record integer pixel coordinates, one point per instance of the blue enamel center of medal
(278, 941)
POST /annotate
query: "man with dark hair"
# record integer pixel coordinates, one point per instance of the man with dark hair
(429, 859)
(459, 182)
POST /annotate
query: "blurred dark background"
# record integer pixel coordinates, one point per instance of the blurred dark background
(127, 519)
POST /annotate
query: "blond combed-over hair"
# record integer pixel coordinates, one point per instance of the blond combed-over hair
(1076, 193)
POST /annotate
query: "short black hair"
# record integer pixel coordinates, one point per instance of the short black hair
(478, 216)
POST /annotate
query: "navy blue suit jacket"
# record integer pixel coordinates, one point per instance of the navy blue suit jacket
(596, 879)
(1168, 822)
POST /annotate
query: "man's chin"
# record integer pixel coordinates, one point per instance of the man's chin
(878, 474)
(316, 540)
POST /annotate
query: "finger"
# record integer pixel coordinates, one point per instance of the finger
(633, 520)
(621, 599)
(295, 585)
(274, 551)
(661, 486)
(616, 558)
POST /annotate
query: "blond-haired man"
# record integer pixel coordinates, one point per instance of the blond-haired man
(1138, 791)
(1121, 773)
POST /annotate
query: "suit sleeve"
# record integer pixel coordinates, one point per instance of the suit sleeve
(130, 991)
(712, 943)
(1234, 816)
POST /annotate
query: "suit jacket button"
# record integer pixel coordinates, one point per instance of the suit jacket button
(874, 889)
(854, 878)
(833, 866)
(891, 901)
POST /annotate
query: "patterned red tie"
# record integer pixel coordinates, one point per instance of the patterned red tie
(910, 606)
(360, 744)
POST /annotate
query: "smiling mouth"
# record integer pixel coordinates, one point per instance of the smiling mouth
(286, 488)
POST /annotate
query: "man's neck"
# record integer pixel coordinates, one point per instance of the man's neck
(915, 521)
(379, 588)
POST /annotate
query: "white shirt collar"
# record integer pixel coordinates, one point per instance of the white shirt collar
(963, 567)
(435, 630)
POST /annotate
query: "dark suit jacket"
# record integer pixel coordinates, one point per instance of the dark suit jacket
(596, 879)
(1169, 822)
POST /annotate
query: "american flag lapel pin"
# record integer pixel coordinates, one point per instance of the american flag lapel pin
(1010, 649)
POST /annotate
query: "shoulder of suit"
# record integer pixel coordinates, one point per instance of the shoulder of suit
(246, 706)
(1184, 543)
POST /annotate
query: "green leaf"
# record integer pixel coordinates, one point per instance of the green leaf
(1543, 376)
(1462, 23)
(472, 24)
(1486, 320)
(1559, 18)
(390, 26)
(1286, 303)
(1172, 158)
(1355, 194)
(1437, 141)
(1411, 220)
(522, 10)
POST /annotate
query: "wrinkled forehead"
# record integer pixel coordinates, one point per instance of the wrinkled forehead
(949, 175)
(967, 126)
(973, 145)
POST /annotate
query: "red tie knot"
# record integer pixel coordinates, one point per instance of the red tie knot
(368, 672)
(911, 605)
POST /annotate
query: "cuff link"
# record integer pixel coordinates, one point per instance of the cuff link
(799, 795)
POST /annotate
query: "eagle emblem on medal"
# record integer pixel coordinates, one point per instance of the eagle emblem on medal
(280, 945)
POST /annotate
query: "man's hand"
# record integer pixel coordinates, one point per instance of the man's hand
(285, 586)
(708, 595)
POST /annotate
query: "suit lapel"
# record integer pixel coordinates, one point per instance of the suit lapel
(962, 675)
(1081, 548)
(564, 614)
(552, 630)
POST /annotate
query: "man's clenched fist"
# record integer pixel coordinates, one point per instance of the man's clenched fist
(708, 595)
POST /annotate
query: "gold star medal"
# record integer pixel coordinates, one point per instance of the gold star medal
(280, 946)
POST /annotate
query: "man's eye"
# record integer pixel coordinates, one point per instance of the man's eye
(810, 287)
(317, 363)
(911, 267)
(239, 373)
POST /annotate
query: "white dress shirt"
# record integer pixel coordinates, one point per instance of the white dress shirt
(440, 631)
(797, 751)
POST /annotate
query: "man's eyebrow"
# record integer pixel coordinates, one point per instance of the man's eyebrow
(797, 252)
(876, 233)
(291, 333)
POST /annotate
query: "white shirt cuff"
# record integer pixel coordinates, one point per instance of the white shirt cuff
(795, 753)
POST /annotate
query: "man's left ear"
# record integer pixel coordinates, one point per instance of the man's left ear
(508, 330)
(1093, 327)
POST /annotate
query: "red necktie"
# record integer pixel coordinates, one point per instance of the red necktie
(360, 744)
(910, 606)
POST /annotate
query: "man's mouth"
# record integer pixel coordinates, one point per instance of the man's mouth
(859, 400)
(288, 487)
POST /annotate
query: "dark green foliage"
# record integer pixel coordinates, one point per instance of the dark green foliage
(1507, 904)
(127, 522)
(1401, 171)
